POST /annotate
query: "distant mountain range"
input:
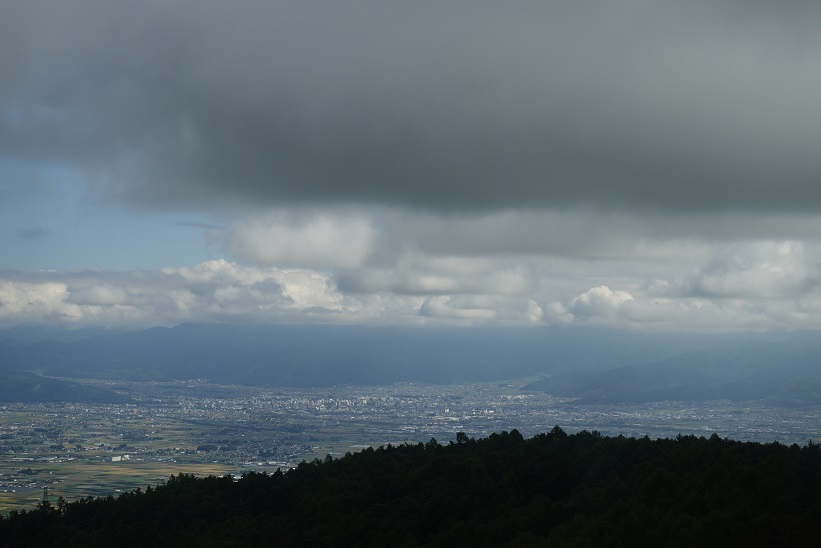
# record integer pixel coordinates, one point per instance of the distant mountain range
(786, 372)
(327, 355)
(594, 365)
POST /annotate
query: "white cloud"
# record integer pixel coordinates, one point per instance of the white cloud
(751, 285)
(212, 291)
(535, 313)
(30, 302)
(319, 240)
(99, 295)
(599, 302)
(765, 284)
(257, 293)
(759, 270)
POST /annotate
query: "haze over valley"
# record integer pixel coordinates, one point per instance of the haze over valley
(591, 365)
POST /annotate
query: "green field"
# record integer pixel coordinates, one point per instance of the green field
(82, 451)
(77, 480)
(93, 452)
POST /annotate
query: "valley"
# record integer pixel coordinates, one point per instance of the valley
(81, 449)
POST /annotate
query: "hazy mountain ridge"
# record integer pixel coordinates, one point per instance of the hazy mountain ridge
(593, 365)
(784, 372)
(328, 355)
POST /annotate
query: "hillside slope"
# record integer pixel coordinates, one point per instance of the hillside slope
(552, 489)
(28, 387)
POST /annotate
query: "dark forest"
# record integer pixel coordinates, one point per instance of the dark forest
(554, 489)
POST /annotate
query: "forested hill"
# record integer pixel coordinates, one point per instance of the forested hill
(28, 387)
(553, 489)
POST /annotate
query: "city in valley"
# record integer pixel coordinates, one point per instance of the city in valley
(194, 427)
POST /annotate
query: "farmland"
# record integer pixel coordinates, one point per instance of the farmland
(79, 450)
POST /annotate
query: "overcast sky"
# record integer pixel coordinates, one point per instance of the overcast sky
(648, 165)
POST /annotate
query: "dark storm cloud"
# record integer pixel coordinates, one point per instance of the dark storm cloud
(459, 105)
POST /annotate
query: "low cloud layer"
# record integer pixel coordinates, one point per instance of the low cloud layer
(764, 285)
(212, 291)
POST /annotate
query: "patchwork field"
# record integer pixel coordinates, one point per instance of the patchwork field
(192, 427)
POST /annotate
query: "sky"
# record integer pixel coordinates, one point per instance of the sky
(638, 165)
